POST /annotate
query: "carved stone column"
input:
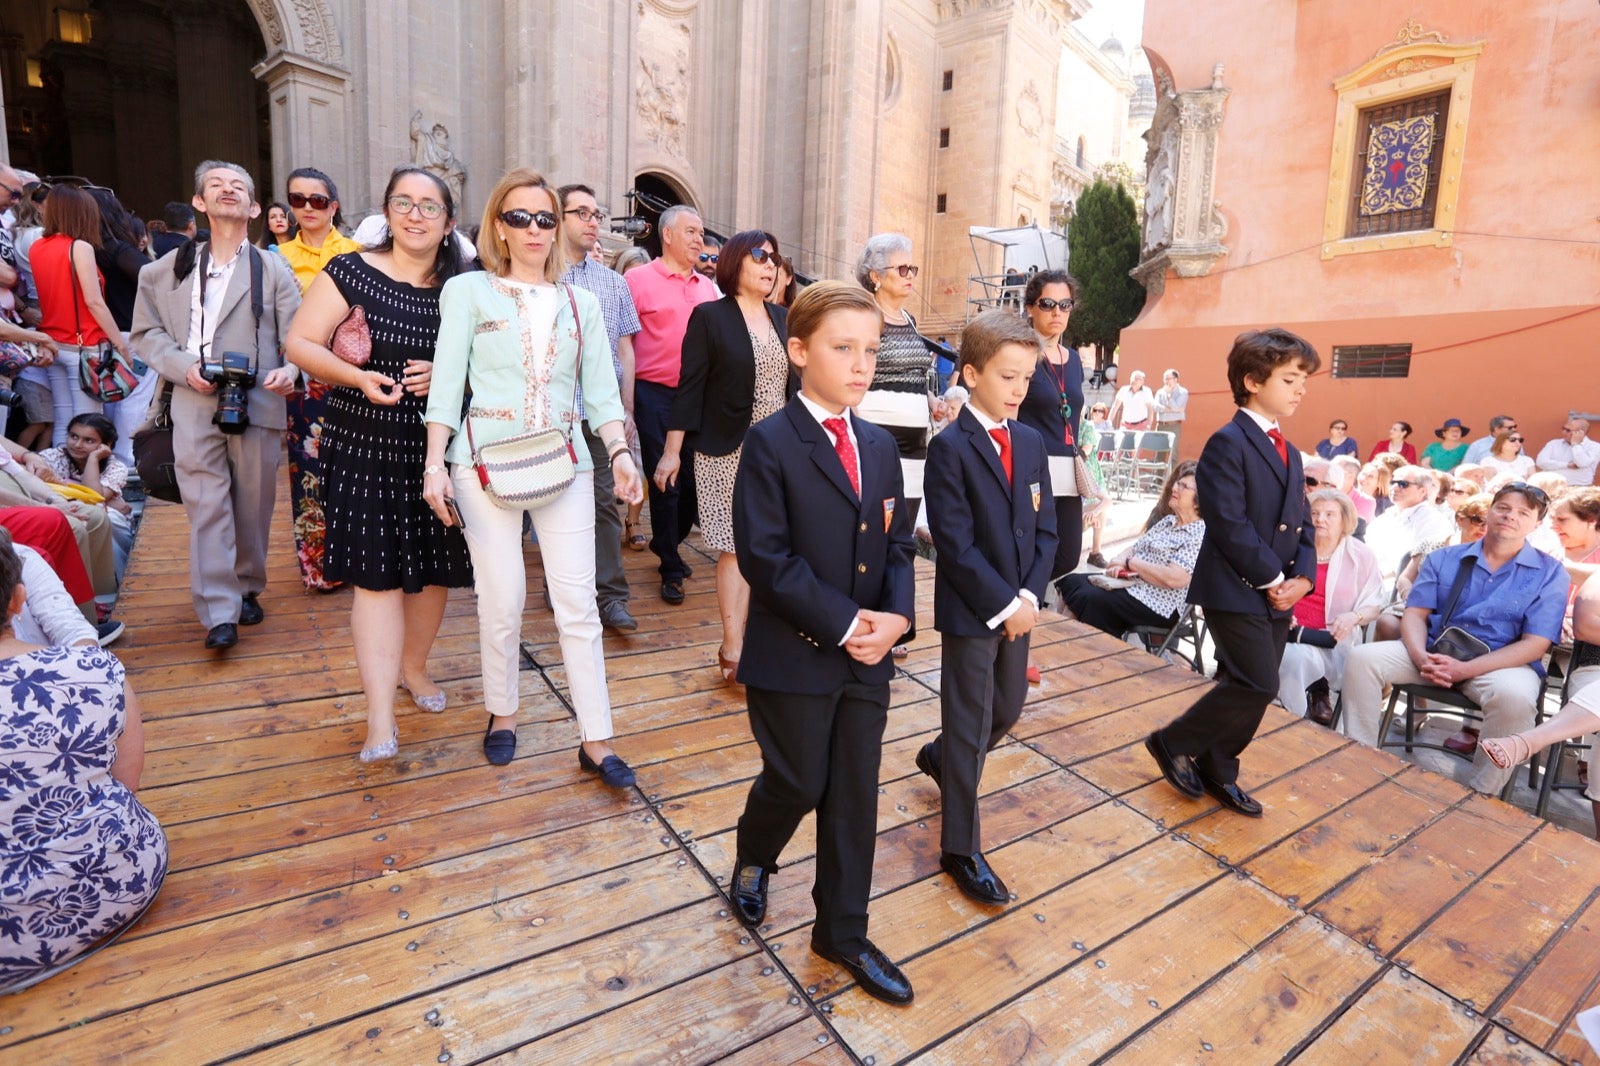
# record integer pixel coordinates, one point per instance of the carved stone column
(309, 101)
(1183, 226)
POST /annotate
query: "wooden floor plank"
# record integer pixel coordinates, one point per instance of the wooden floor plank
(1398, 1019)
(1562, 983)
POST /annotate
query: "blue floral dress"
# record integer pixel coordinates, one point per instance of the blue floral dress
(80, 857)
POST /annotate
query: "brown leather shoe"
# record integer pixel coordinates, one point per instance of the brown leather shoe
(1464, 742)
(1321, 710)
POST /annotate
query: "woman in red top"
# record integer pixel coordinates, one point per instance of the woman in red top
(75, 317)
(1396, 443)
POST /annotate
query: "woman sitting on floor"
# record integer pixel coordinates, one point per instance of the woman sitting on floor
(1151, 580)
(80, 858)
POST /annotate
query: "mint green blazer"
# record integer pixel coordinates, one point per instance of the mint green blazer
(487, 350)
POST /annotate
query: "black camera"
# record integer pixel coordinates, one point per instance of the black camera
(631, 226)
(234, 377)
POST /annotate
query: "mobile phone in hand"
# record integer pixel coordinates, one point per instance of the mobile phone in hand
(455, 512)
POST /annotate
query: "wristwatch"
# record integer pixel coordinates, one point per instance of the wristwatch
(434, 469)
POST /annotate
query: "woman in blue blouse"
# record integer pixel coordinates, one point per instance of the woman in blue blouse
(513, 337)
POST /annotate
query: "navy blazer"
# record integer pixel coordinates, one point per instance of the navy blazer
(814, 554)
(1256, 521)
(717, 385)
(994, 537)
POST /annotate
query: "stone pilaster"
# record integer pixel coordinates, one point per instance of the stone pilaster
(1184, 225)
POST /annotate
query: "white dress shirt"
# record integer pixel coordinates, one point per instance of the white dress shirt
(1575, 462)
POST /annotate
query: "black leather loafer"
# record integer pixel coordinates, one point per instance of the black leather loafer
(748, 891)
(878, 977)
(1232, 797)
(672, 592)
(1179, 771)
(499, 745)
(975, 878)
(225, 635)
(250, 612)
(927, 765)
(612, 770)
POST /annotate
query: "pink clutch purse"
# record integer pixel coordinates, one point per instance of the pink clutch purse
(352, 340)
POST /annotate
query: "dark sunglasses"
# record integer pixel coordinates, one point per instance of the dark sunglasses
(761, 255)
(1051, 305)
(317, 201)
(1459, 492)
(905, 270)
(1515, 440)
(517, 218)
(1312, 482)
(709, 257)
(1400, 484)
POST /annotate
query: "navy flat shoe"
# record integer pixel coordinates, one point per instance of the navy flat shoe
(612, 770)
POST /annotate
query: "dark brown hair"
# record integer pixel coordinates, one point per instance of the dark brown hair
(1584, 505)
(1257, 353)
(73, 213)
(989, 332)
(730, 260)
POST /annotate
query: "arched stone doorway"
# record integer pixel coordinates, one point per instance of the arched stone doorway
(134, 95)
(657, 191)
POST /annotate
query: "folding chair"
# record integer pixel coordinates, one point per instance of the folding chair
(1120, 480)
(1163, 641)
(1152, 458)
(1557, 752)
(1464, 708)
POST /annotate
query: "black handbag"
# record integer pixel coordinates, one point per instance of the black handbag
(1312, 636)
(1453, 640)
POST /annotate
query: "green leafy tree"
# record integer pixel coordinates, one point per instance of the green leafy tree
(1104, 241)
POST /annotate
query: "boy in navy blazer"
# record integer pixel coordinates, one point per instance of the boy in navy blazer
(987, 483)
(823, 537)
(1257, 560)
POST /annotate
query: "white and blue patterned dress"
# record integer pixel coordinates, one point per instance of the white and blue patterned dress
(80, 858)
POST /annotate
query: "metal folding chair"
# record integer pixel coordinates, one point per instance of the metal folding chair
(1454, 703)
(1152, 459)
(1164, 641)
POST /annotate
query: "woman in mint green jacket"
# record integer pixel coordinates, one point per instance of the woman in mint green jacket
(509, 346)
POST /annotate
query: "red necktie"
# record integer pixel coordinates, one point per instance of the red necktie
(1278, 442)
(846, 450)
(1002, 437)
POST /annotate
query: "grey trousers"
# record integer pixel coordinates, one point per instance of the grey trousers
(230, 485)
(610, 581)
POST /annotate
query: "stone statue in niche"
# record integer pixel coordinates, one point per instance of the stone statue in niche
(1159, 188)
(430, 150)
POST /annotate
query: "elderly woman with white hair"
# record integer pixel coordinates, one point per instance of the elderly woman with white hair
(1328, 621)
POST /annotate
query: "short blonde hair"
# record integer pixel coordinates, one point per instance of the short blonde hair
(1347, 509)
(492, 248)
(820, 299)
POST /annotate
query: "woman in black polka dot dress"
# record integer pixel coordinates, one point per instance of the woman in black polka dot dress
(382, 537)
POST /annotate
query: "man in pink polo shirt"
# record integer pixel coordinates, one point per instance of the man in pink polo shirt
(665, 290)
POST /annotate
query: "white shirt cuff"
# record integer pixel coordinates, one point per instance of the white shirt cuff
(849, 632)
(1010, 609)
(1274, 583)
(1028, 595)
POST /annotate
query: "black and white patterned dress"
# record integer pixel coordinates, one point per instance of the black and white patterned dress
(714, 474)
(382, 535)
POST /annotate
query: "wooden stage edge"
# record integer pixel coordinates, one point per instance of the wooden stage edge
(439, 910)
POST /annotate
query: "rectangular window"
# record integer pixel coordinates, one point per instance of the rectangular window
(939, 204)
(944, 137)
(1372, 361)
(949, 80)
(1396, 192)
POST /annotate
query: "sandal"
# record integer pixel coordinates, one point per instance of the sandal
(635, 541)
(1506, 752)
(728, 667)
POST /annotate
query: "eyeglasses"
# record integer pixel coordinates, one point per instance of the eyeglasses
(586, 214)
(16, 194)
(1571, 429)
(905, 270)
(1312, 482)
(517, 218)
(1459, 492)
(1515, 440)
(404, 205)
(316, 201)
(761, 255)
(1400, 484)
(1340, 426)
(1051, 305)
(709, 257)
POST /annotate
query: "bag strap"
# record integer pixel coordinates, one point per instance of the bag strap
(77, 291)
(577, 371)
(1462, 574)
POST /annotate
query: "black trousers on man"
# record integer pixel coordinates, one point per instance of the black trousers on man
(820, 753)
(672, 512)
(1221, 724)
(985, 681)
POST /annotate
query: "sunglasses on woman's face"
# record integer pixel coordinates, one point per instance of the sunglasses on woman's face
(761, 255)
(517, 218)
(1051, 305)
(316, 201)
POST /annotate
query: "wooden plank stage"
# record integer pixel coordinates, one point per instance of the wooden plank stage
(440, 910)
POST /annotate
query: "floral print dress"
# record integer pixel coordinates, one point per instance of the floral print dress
(80, 857)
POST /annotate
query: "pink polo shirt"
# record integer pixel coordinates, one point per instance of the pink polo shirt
(664, 300)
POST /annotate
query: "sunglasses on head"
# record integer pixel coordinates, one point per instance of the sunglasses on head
(1532, 492)
(1048, 304)
(316, 201)
(517, 218)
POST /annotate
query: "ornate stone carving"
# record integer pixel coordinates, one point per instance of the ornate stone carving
(1030, 112)
(266, 13)
(312, 31)
(1410, 65)
(430, 150)
(1410, 33)
(1183, 225)
(661, 87)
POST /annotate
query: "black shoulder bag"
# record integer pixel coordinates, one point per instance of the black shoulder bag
(1453, 640)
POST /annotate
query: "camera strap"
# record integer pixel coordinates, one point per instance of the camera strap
(257, 303)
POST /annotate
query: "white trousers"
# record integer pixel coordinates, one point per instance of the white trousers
(1305, 663)
(565, 528)
(1506, 696)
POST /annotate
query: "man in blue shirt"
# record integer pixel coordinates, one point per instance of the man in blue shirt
(1514, 600)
